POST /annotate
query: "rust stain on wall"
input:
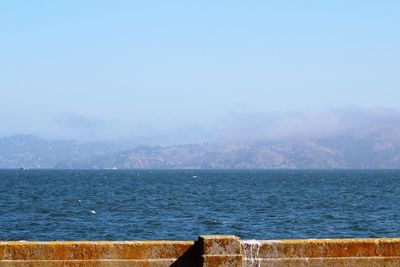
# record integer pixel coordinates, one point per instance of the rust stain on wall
(210, 251)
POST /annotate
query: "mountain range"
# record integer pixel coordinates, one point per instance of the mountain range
(376, 148)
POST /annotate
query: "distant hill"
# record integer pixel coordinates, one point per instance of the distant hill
(375, 148)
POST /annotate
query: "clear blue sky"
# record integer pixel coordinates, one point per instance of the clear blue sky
(106, 69)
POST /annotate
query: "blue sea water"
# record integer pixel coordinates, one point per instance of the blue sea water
(181, 204)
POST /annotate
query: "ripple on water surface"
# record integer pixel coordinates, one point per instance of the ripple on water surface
(159, 204)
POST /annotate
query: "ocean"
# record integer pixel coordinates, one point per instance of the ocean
(182, 204)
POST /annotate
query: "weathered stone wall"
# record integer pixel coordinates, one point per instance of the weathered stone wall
(322, 252)
(207, 251)
(147, 253)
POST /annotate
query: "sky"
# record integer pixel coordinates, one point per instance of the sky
(177, 71)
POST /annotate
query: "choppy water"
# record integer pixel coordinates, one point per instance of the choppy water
(135, 205)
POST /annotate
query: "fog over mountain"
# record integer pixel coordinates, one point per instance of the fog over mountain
(351, 120)
(231, 84)
(350, 137)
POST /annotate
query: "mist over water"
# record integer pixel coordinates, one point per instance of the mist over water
(181, 204)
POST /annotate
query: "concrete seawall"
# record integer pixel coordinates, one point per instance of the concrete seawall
(206, 251)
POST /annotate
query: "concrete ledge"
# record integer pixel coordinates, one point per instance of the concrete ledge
(87, 250)
(90, 263)
(221, 251)
(235, 260)
(379, 247)
(210, 251)
(219, 244)
(322, 262)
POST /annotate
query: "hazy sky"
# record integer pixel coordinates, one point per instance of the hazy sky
(111, 69)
